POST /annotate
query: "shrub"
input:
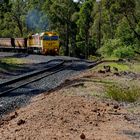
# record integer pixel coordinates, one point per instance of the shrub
(109, 46)
(123, 93)
(115, 47)
(124, 52)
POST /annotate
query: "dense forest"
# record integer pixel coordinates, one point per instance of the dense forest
(86, 27)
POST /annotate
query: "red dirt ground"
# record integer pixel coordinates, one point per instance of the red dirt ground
(69, 113)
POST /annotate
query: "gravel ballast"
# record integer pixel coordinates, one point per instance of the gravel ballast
(23, 95)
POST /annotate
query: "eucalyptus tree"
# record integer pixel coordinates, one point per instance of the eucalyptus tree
(60, 18)
(84, 23)
(5, 7)
(18, 16)
(128, 9)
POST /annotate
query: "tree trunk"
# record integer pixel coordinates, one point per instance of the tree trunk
(67, 40)
(111, 25)
(99, 27)
(86, 43)
(19, 25)
(73, 44)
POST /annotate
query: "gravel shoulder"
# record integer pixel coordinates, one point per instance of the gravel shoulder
(76, 110)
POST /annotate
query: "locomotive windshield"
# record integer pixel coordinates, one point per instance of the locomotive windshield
(54, 37)
(50, 38)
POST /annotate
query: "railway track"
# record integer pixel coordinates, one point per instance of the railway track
(9, 86)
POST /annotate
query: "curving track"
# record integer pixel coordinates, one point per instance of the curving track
(18, 92)
(48, 73)
(14, 84)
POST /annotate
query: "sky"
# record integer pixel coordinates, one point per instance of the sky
(75, 0)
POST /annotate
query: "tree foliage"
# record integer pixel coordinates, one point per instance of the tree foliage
(109, 27)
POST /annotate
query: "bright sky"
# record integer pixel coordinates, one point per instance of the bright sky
(75, 0)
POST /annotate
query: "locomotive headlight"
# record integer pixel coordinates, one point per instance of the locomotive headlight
(56, 50)
(49, 34)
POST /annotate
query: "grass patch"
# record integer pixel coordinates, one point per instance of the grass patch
(121, 66)
(98, 94)
(125, 93)
(13, 61)
(135, 67)
(8, 64)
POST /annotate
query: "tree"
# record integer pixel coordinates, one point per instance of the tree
(60, 13)
(84, 23)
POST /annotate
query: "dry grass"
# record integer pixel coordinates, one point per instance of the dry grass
(125, 93)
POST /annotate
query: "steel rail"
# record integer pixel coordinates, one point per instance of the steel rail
(31, 74)
(55, 69)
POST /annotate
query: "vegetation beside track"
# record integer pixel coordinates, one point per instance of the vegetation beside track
(11, 64)
(120, 83)
(127, 92)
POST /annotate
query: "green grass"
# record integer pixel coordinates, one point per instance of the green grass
(13, 61)
(8, 64)
(120, 66)
(123, 93)
(135, 67)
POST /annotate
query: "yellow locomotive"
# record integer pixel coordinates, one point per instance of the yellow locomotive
(44, 43)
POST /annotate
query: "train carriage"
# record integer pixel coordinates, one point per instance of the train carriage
(7, 42)
(21, 43)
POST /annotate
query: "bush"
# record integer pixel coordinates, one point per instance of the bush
(114, 47)
(109, 46)
(124, 52)
(127, 93)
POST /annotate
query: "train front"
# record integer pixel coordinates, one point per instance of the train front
(51, 43)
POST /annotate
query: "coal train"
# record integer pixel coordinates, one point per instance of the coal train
(43, 43)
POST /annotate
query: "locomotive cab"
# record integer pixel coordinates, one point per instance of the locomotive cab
(44, 43)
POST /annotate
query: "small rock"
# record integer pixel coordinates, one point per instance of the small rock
(16, 130)
(117, 73)
(72, 129)
(120, 60)
(20, 122)
(101, 71)
(96, 124)
(107, 68)
(98, 114)
(14, 115)
(76, 112)
(127, 118)
(90, 122)
(116, 106)
(94, 110)
(107, 104)
(82, 136)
